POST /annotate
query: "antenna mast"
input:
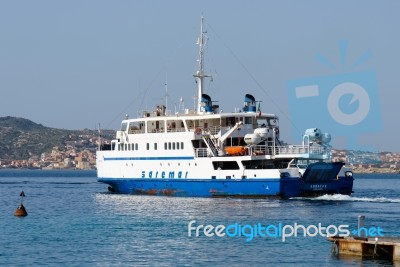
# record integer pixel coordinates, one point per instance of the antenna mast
(166, 92)
(199, 75)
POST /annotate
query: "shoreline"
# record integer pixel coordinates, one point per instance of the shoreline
(375, 171)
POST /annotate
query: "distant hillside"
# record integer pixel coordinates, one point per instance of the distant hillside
(21, 138)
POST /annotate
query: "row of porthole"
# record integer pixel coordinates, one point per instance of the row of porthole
(167, 146)
(128, 147)
(173, 145)
(179, 164)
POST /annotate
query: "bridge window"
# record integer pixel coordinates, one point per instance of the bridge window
(123, 126)
(230, 121)
(248, 120)
(136, 127)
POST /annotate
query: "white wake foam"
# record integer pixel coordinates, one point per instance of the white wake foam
(338, 197)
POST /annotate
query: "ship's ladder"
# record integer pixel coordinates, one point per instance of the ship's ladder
(210, 144)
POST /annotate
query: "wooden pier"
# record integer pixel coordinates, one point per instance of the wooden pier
(382, 247)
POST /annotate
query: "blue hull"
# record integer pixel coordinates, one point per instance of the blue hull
(323, 178)
(342, 185)
(283, 187)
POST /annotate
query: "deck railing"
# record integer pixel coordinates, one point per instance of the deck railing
(175, 130)
(131, 131)
(211, 130)
(290, 149)
(276, 151)
(202, 152)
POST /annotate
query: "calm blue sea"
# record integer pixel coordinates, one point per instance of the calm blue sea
(73, 221)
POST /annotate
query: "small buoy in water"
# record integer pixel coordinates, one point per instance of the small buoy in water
(21, 211)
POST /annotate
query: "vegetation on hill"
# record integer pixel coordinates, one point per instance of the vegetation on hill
(21, 138)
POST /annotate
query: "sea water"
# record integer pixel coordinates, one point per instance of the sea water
(73, 221)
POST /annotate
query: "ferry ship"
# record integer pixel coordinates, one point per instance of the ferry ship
(205, 152)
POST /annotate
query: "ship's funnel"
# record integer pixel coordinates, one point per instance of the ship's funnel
(206, 104)
(249, 104)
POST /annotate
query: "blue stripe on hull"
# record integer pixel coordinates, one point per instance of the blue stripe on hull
(283, 187)
(150, 158)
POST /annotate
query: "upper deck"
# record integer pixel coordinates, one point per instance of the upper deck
(153, 122)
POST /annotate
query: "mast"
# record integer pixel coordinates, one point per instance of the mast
(166, 93)
(199, 75)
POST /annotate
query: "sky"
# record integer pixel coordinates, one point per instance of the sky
(75, 64)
